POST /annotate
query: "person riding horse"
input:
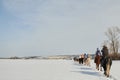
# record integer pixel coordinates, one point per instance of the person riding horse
(97, 58)
(106, 61)
(104, 56)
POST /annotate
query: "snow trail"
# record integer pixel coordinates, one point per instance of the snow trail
(47, 70)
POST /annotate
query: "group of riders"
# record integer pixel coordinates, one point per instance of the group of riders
(102, 60)
(83, 59)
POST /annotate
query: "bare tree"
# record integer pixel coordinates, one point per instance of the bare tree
(113, 34)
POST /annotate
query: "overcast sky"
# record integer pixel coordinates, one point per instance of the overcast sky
(50, 27)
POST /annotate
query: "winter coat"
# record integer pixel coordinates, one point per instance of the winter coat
(104, 52)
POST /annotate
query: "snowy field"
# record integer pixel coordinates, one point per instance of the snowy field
(52, 70)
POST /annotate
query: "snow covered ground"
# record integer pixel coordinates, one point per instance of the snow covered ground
(52, 70)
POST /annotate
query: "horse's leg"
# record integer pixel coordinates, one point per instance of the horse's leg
(82, 60)
(79, 60)
(87, 62)
(104, 67)
(107, 70)
(108, 66)
(97, 66)
(100, 67)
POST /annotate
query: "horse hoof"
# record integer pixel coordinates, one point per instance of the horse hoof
(105, 73)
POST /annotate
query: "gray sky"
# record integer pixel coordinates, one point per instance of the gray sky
(49, 27)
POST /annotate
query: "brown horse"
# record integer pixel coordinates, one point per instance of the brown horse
(97, 61)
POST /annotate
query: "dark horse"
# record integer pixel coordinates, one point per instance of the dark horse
(80, 60)
(76, 59)
(106, 64)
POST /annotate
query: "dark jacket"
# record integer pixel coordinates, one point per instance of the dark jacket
(104, 51)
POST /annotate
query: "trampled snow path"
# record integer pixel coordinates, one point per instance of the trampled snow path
(47, 70)
(92, 73)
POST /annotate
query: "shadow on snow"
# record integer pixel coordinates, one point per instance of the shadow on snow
(92, 73)
(85, 70)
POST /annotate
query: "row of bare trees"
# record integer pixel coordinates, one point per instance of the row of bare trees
(113, 35)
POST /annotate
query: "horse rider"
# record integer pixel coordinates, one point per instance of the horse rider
(97, 58)
(104, 51)
(104, 56)
(98, 52)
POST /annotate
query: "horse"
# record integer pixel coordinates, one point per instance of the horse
(97, 61)
(76, 59)
(107, 62)
(88, 61)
